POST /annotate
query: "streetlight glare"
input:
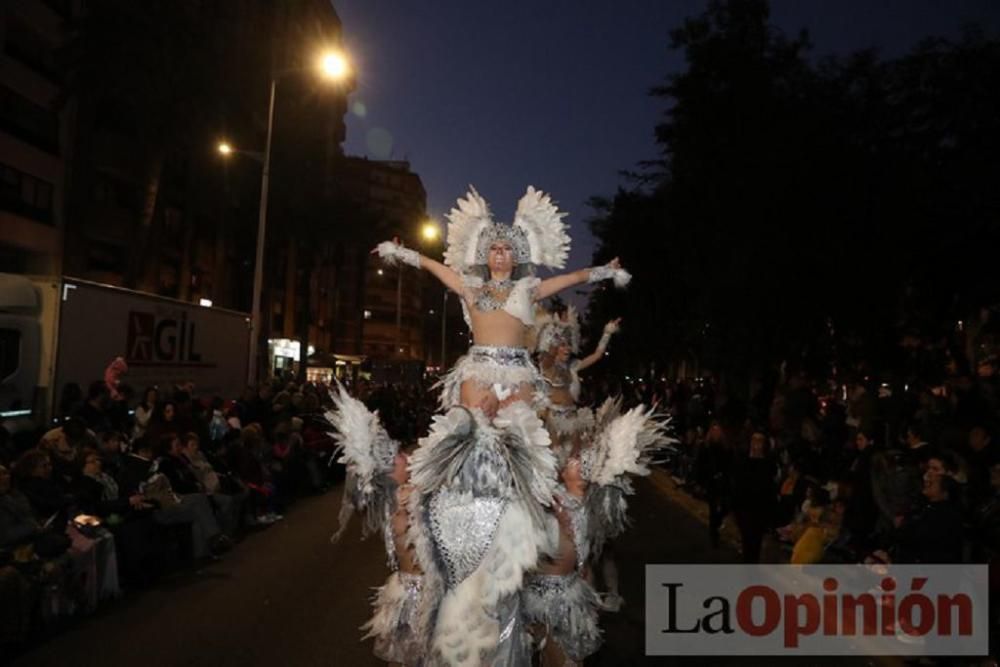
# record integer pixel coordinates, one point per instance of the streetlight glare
(430, 231)
(224, 148)
(334, 65)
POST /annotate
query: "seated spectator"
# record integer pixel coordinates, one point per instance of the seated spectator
(50, 503)
(171, 462)
(144, 412)
(94, 412)
(981, 458)
(72, 431)
(97, 492)
(247, 457)
(164, 422)
(815, 532)
(933, 532)
(229, 499)
(111, 453)
(791, 494)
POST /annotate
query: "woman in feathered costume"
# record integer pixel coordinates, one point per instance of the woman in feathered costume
(560, 605)
(484, 476)
(557, 341)
(378, 485)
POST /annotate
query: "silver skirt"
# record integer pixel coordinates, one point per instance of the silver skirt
(504, 369)
(393, 623)
(566, 606)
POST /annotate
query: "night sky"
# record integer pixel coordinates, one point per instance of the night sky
(554, 93)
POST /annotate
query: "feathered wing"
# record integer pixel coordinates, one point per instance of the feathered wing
(624, 445)
(466, 222)
(543, 224)
(368, 453)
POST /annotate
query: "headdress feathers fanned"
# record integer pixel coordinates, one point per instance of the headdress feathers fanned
(538, 236)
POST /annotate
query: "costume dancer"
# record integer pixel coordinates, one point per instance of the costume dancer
(557, 340)
(378, 484)
(559, 604)
(485, 475)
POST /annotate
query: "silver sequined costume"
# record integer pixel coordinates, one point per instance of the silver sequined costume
(478, 524)
(565, 604)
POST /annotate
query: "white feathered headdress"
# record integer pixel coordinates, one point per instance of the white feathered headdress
(538, 236)
(554, 330)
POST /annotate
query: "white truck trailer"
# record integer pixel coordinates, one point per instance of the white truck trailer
(55, 331)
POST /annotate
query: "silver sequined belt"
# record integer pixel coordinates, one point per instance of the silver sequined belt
(502, 356)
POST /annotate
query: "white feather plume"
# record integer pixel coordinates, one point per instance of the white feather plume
(622, 278)
(625, 443)
(465, 223)
(543, 224)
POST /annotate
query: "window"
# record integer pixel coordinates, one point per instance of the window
(10, 352)
(24, 194)
(28, 121)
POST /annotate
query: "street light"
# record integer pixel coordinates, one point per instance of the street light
(430, 231)
(334, 67)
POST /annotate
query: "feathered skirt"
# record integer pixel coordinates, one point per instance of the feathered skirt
(566, 606)
(504, 369)
(393, 624)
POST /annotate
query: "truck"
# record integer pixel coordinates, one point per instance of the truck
(62, 331)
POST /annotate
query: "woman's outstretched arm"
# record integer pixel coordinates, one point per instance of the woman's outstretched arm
(393, 251)
(556, 284)
(610, 329)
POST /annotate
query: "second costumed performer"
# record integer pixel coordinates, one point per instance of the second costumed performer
(485, 476)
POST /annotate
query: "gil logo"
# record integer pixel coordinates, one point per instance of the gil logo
(157, 341)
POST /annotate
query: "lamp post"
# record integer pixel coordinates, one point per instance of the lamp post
(334, 66)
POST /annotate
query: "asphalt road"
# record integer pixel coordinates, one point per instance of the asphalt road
(287, 597)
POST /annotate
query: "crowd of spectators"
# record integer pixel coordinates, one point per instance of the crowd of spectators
(124, 490)
(819, 471)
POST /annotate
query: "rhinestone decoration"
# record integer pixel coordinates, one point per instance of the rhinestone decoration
(463, 528)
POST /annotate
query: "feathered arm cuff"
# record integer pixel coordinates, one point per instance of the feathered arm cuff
(621, 277)
(391, 253)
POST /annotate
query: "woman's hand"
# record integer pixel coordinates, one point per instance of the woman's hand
(395, 239)
(613, 326)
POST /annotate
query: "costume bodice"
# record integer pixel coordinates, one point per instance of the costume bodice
(564, 376)
(519, 302)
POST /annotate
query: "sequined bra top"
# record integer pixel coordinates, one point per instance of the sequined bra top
(564, 377)
(488, 296)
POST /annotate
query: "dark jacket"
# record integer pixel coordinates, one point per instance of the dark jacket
(134, 472)
(47, 498)
(933, 534)
(90, 498)
(712, 468)
(182, 478)
(17, 521)
(754, 491)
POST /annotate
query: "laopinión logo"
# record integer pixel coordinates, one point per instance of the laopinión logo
(816, 610)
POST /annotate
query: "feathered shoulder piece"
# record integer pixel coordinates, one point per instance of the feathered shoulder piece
(543, 225)
(369, 455)
(466, 222)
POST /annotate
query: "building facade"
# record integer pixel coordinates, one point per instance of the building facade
(35, 135)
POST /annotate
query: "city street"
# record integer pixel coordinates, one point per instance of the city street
(286, 596)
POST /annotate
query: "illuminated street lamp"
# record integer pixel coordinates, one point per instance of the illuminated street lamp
(430, 231)
(333, 67)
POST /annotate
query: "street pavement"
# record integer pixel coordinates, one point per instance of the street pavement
(286, 597)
